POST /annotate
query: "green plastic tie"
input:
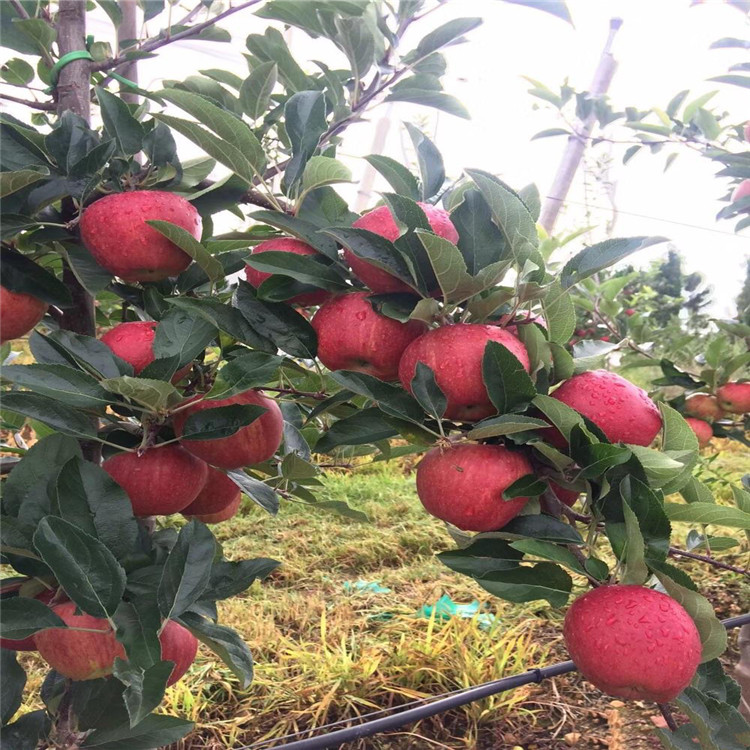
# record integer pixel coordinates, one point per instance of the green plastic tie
(79, 54)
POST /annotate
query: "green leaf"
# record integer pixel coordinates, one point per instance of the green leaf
(231, 578)
(23, 616)
(529, 583)
(225, 643)
(255, 91)
(60, 382)
(144, 688)
(17, 72)
(156, 730)
(555, 7)
(182, 335)
(425, 389)
(284, 326)
(155, 395)
(711, 680)
(396, 174)
(188, 244)
(38, 31)
(302, 230)
(86, 352)
(435, 99)
(62, 418)
(549, 551)
(261, 494)
(305, 269)
(508, 384)
(708, 513)
(734, 80)
(271, 46)
(526, 486)
(659, 466)
(392, 399)
(187, 569)
(305, 122)
(356, 41)
(244, 372)
(560, 414)
(597, 257)
(449, 33)
(635, 572)
(113, 522)
(364, 426)
(21, 274)
(14, 681)
(220, 421)
(226, 125)
(507, 424)
(712, 632)
(541, 526)
(225, 153)
(137, 625)
(695, 491)
(430, 162)
(322, 170)
(11, 182)
(84, 567)
(559, 313)
(119, 123)
(483, 555)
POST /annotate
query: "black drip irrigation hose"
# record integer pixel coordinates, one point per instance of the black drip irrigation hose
(434, 707)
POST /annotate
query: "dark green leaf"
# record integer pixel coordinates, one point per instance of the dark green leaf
(20, 274)
(60, 417)
(144, 689)
(396, 174)
(85, 568)
(482, 556)
(430, 162)
(14, 679)
(155, 395)
(529, 583)
(255, 91)
(305, 269)
(427, 391)
(119, 123)
(449, 33)
(508, 384)
(305, 122)
(526, 486)
(187, 569)
(364, 426)
(391, 398)
(244, 372)
(60, 382)
(23, 616)
(220, 421)
(155, 731)
(542, 526)
(302, 230)
(28, 730)
(508, 424)
(86, 352)
(257, 491)
(188, 244)
(711, 680)
(183, 335)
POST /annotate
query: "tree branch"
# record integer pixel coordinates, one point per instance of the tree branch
(675, 552)
(156, 43)
(19, 9)
(45, 106)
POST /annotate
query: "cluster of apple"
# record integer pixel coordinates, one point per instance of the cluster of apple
(656, 649)
(704, 408)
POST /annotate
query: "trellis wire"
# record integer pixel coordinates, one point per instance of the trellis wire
(427, 707)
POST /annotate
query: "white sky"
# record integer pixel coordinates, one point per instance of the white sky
(662, 47)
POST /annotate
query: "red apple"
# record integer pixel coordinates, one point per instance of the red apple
(702, 430)
(164, 480)
(565, 496)
(179, 645)
(82, 655)
(352, 336)
(218, 494)
(230, 511)
(78, 654)
(734, 397)
(633, 642)
(252, 444)
(741, 191)
(704, 406)
(287, 245)
(19, 313)
(28, 644)
(380, 221)
(114, 230)
(454, 353)
(621, 410)
(134, 342)
(629, 312)
(463, 485)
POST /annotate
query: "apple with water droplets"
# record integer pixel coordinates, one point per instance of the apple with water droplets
(633, 642)
(353, 336)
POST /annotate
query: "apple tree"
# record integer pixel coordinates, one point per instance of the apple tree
(171, 368)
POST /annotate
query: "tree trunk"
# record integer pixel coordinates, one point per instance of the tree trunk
(742, 671)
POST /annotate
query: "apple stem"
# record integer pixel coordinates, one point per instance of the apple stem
(666, 712)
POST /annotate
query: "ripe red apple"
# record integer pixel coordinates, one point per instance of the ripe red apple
(741, 191)
(19, 313)
(78, 654)
(82, 655)
(252, 444)
(380, 221)
(28, 644)
(179, 645)
(454, 353)
(704, 406)
(633, 642)
(565, 496)
(630, 311)
(230, 511)
(702, 430)
(352, 336)
(164, 480)
(621, 410)
(287, 245)
(463, 485)
(134, 342)
(734, 397)
(114, 230)
(219, 495)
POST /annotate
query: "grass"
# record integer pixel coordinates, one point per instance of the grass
(324, 653)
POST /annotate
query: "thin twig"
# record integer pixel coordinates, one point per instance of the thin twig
(319, 395)
(156, 43)
(20, 9)
(675, 552)
(666, 712)
(255, 197)
(45, 106)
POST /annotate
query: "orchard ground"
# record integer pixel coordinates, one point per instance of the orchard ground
(325, 651)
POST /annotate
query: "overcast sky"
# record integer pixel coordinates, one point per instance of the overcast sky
(662, 47)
